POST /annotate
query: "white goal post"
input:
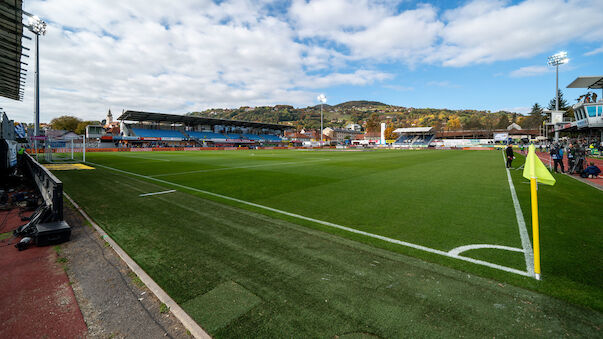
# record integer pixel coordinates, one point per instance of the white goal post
(72, 150)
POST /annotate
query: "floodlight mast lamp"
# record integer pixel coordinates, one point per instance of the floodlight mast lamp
(37, 26)
(322, 99)
(556, 60)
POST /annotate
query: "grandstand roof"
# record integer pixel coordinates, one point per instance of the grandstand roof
(483, 133)
(413, 130)
(11, 33)
(191, 120)
(595, 82)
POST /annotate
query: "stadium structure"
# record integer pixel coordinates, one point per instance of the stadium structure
(143, 129)
(588, 113)
(417, 137)
(414, 136)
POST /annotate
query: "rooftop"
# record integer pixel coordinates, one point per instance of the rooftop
(192, 120)
(12, 74)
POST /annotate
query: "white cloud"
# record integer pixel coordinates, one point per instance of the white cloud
(529, 71)
(190, 56)
(399, 88)
(594, 51)
(521, 109)
(179, 56)
(487, 31)
(444, 83)
(368, 30)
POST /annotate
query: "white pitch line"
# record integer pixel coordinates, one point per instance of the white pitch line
(138, 157)
(521, 223)
(155, 193)
(230, 168)
(329, 224)
(461, 249)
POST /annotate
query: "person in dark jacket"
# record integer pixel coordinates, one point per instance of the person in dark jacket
(557, 155)
(591, 171)
(510, 155)
(571, 157)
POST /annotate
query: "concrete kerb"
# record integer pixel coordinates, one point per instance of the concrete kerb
(188, 322)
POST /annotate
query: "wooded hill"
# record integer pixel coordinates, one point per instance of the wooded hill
(370, 112)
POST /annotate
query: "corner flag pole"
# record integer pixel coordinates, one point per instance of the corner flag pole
(536, 172)
(535, 234)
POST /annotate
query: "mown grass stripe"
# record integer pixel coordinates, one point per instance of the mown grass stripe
(330, 224)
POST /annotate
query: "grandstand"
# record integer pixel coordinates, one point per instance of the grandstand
(159, 129)
(414, 137)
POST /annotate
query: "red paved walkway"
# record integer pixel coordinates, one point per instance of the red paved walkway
(546, 158)
(36, 300)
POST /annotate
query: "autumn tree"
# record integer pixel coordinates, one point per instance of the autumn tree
(389, 133)
(454, 123)
(372, 124)
(65, 122)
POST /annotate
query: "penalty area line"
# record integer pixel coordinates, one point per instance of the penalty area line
(155, 193)
(329, 224)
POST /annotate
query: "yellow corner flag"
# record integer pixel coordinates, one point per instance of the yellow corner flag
(535, 170)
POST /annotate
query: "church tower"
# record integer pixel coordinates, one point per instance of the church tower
(109, 120)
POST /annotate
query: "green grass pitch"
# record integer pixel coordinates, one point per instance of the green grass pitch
(304, 278)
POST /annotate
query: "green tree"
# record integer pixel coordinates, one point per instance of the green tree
(534, 120)
(503, 122)
(489, 121)
(473, 122)
(563, 106)
(65, 122)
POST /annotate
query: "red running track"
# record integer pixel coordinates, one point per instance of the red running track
(36, 299)
(546, 159)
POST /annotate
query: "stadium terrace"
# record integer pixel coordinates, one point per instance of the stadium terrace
(147, 129)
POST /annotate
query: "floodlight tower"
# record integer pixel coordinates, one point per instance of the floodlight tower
(37, 26)
(322, 99)
(556, 60)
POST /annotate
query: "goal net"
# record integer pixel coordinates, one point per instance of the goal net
(64, 151)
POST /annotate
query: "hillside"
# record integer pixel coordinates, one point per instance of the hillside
(361, 112)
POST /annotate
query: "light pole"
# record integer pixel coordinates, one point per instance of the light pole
(556, 60)
(322, 99)
(37, 26)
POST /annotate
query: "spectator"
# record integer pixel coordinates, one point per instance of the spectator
(571, 157)
(591, 171)
(510, 155)
(580, 155)
(557, 156)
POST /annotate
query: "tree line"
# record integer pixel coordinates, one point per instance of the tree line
(72, 124)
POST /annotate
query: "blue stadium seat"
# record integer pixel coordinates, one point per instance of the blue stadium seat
(269, 137)
(252, 137)
(157, 133)
(206, 135)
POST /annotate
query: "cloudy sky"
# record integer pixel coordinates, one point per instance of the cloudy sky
(179, 56)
